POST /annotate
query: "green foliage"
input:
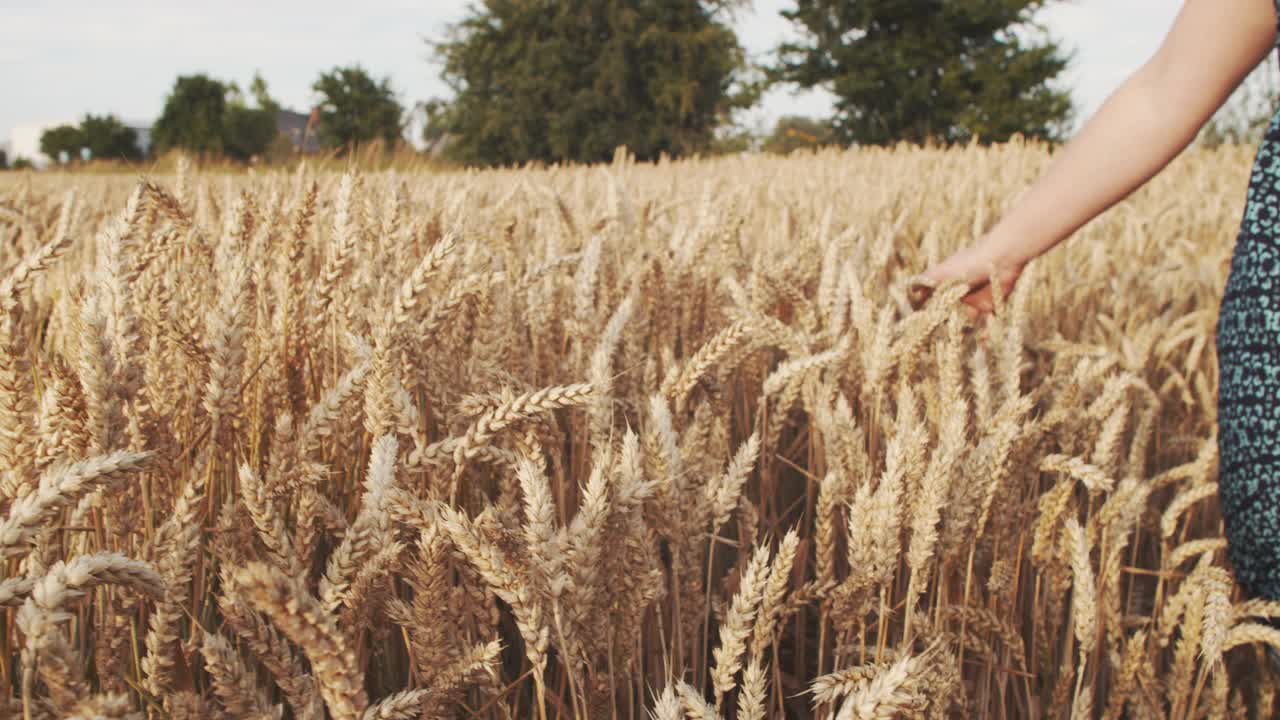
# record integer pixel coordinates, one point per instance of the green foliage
(732, 139)
(357, 109)
(4, 160)
(572, 80)
(251, 131)
(928, 70)
(204, 115)
(108, 138)
(193, 116)
(261, 96)
(103, 136)
(247, 131)
(794, 132)
(62, 143)
(20, 163)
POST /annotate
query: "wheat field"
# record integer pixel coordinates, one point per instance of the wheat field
(624, 441)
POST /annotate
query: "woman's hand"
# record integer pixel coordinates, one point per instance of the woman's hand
(975, 267)
(1141, 127)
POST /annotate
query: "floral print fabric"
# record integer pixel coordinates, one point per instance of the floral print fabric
(1248, 342)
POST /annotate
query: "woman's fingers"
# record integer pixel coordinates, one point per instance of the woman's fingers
(919, 289)
(961, 268)
(977, 306)
(981, 301)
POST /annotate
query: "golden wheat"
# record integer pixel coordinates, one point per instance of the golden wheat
(670, 440)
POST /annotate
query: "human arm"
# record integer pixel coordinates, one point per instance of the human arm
(1142, 126)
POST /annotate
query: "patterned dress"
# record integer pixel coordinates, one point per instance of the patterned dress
(1248, 341)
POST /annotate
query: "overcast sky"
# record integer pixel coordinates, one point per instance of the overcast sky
(60, 59)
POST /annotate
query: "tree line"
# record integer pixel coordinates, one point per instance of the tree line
(571, 80)
(207, 116)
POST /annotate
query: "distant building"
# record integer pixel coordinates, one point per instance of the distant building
(300, 129)
(143, 132)
(24, 140)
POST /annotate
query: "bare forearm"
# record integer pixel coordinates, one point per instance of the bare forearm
(1130, 139)
(1143, 125)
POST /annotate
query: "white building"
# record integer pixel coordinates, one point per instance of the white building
(143, 131)
(24, 140)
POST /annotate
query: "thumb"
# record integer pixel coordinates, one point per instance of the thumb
(923, 288)
(968, 266)
(920, 288)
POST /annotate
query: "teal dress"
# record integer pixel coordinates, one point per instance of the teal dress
(1248, 342)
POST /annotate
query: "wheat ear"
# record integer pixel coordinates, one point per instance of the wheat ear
(303, 620)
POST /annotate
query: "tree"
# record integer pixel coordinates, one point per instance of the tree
(928, 70)
(249, 131)
(4, 160)
(573, 80)
(204, 115)
(355, 108)
(193, 116)
(102, 136)
(262, 96)
(108, 138)
(794, 132)
(62, 143)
